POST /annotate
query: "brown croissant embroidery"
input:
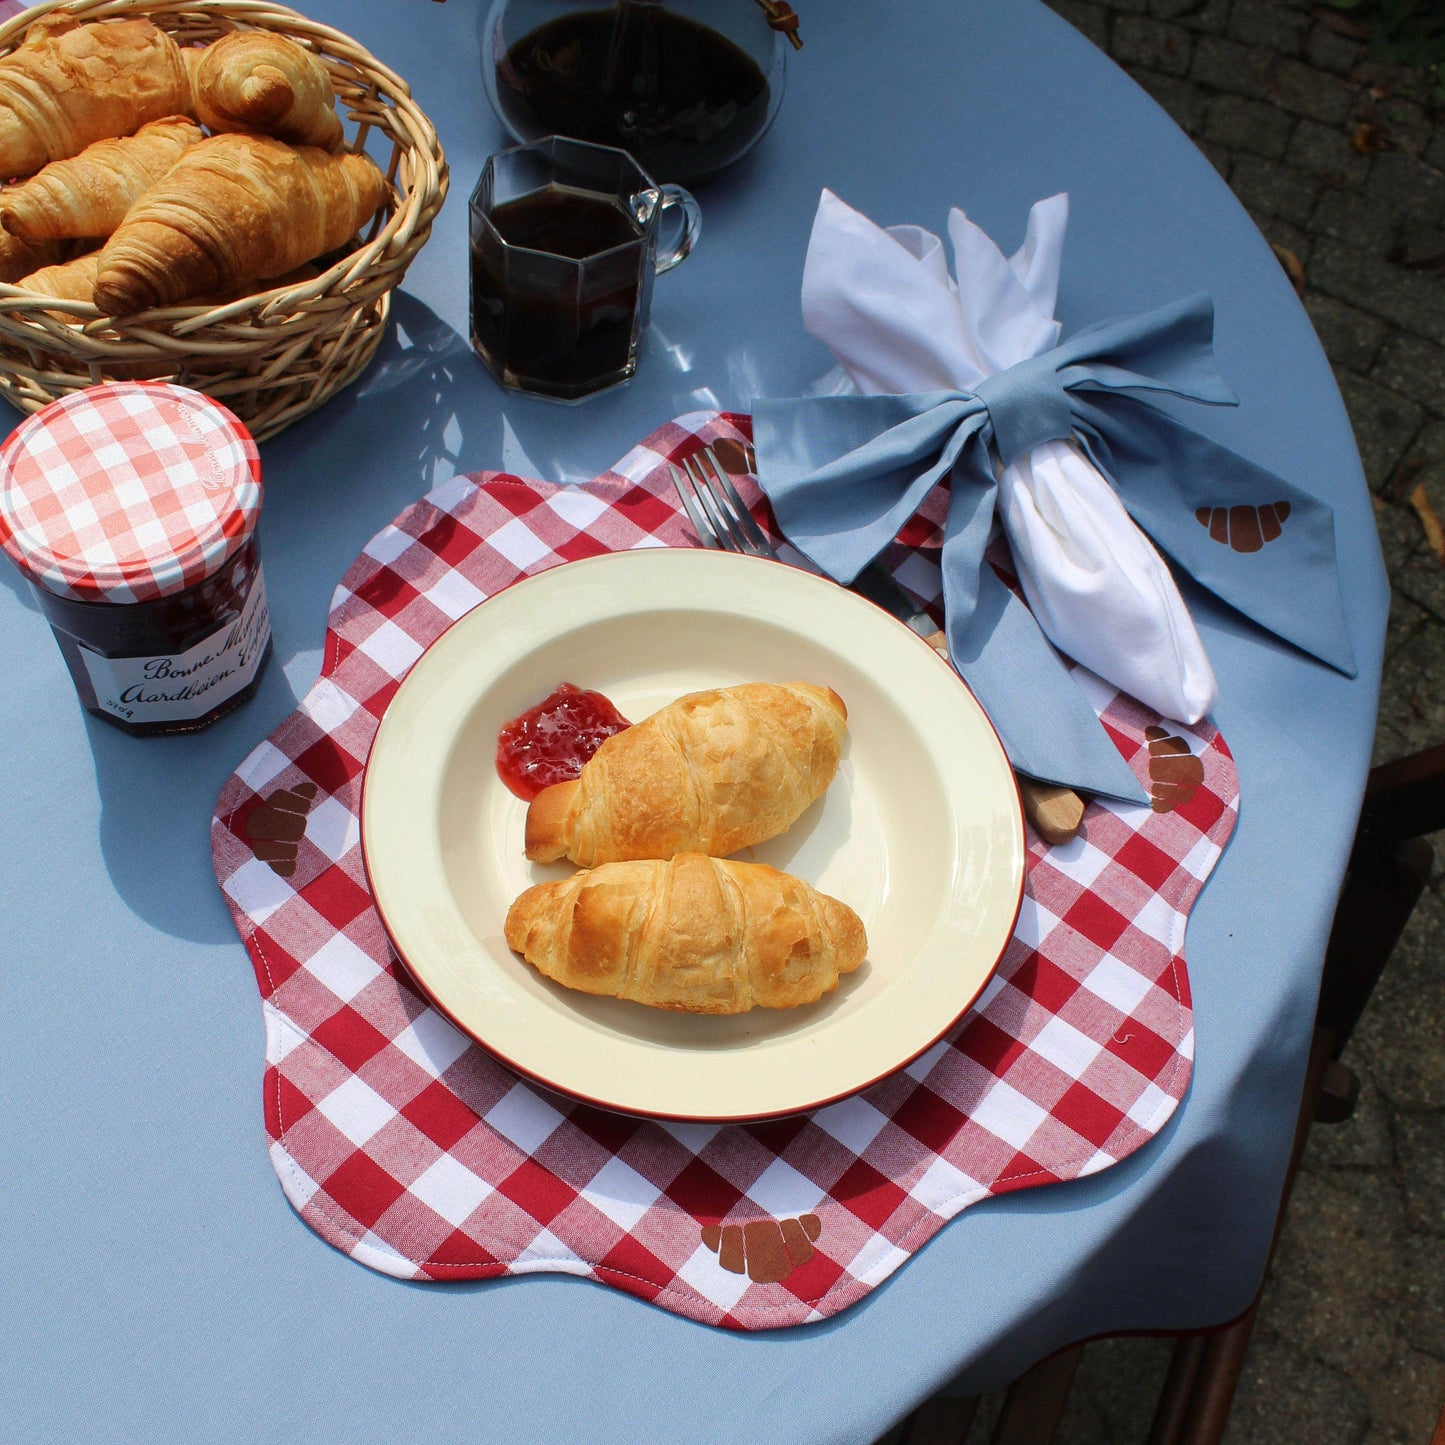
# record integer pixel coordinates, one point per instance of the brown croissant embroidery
(1174, 772)
(276, 827)
(1245, 528)
(766, 1250)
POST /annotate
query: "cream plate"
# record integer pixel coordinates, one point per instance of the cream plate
(920, 832)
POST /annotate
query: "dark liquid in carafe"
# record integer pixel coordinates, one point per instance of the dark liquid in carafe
(682, 98)
(550, 325)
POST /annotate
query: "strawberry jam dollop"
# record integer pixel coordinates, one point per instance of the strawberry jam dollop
(550, 743)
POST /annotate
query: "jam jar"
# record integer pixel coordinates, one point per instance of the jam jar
(131, 510)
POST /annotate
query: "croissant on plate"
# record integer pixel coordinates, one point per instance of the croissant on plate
(713, 772)
(254, 80)
(69, 84)
(703, 935)
(233, 209)
(89, 194)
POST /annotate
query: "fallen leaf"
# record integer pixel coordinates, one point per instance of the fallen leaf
(1369, 138)
(1341, 24)
(1397, 487)
(1292, 267)
(1407, 471)
(1434, 532)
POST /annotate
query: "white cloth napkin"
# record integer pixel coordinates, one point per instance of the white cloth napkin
(884, 303)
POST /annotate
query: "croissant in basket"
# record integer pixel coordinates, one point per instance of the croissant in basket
(19, 258)
(255, 80)
(72, 60)
(70, 84)
(89, 194)
(698, 934)
(713, 772)
(233, 209)
(72, 280)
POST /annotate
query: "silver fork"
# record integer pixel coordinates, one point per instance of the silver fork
(717, 512)
(723, 522)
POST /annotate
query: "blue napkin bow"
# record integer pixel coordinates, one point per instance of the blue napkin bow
(844, 473)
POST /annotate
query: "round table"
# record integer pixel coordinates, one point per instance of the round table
(158, 1285)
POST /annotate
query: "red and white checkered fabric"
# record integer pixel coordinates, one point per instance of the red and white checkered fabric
(416, 1152)
(127, 492)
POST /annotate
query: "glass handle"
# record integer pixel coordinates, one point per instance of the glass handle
(674, 198)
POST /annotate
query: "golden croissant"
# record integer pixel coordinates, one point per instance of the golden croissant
(70, 84)
(19, 258)
(703, 935)
(69, 281)
(233, 209)
(75, 281)
(253, 80)
(713, 772)
(89, 194)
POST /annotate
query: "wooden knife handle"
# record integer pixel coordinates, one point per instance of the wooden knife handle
(1055, 813)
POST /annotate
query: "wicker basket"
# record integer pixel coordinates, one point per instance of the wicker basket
(275, 356)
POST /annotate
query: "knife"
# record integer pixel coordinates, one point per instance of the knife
(1056, 812)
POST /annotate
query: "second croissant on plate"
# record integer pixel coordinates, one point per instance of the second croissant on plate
(696, 934)
(711, 773)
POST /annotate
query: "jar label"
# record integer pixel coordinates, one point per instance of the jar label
(186, 685)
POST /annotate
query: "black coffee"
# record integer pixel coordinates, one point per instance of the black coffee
(565, 221)
(563, 327)
(682, 98)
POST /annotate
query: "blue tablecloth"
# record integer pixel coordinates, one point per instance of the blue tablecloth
(157, 1284)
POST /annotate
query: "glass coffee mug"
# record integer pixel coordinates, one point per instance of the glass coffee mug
(564, 247)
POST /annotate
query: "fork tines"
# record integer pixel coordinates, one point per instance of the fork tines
(701, 524)
(717, 512)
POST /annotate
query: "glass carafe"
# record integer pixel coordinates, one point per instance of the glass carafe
(686, 86)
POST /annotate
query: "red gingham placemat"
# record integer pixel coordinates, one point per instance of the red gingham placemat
(413, 1150)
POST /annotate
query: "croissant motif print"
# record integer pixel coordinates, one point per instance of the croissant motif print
(276, 827)
(1245, 528)
(1174, 772)
(766, 1250)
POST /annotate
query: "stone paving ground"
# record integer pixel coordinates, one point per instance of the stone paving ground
(1340, 159)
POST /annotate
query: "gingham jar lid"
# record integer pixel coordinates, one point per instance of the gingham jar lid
(127, 492)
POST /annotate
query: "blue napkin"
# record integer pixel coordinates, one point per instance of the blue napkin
(844, 473)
